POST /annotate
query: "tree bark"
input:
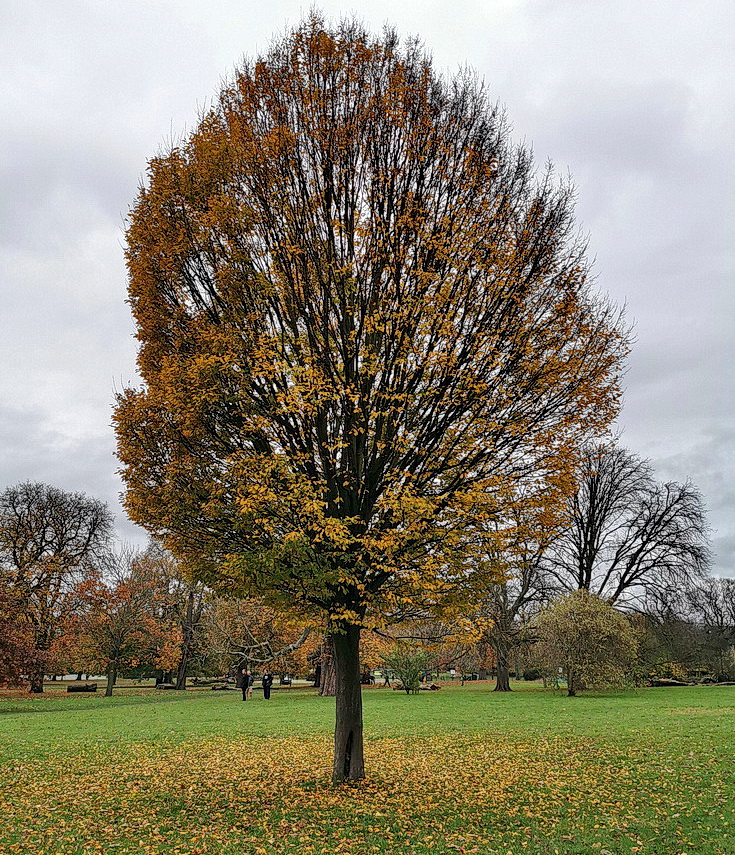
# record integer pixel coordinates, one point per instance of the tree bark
(111, 680)
(502, 683)
(328, 676)
(349, 764)
(571, 688)
(181, 671)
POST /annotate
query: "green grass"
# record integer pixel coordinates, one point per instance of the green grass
(460, 770)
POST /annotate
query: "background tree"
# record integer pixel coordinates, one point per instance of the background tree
(327, 673)
(181, 600)
(504, 610)
(588, 639)
(627, 533)
(246, 632)
(123, 624)
(362, 317)
(671, 643)
(189, 611)
(17, 650)
(710, 607)
(690, 630)
(49, 539)
(373, 645)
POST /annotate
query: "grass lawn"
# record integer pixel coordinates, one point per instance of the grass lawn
(462, 770)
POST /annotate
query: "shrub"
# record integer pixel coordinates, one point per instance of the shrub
(407, 663)
(590, 641)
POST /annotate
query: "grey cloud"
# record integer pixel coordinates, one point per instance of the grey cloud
(634, 99)
(32, 450)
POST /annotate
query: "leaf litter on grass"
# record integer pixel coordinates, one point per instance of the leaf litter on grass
(444, 793)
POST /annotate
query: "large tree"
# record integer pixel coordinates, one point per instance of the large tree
(628, 534)
(362, 316)
(246, 632)
(182, 600)
(48, 540)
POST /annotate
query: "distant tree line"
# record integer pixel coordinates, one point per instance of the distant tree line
(637, 546)
(72, 601)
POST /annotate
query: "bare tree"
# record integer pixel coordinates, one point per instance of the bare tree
(628, 533)
(246, 631)
(48, 538)
(508, 608)
(532, 520)
(711, 607)
(671, 642)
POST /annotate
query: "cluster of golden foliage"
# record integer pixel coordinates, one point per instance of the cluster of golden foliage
(364, 320)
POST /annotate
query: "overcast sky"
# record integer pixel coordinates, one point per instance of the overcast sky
(634, 98)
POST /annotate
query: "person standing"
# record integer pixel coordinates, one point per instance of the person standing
(267, 683)
(249, 680)
(246, 684)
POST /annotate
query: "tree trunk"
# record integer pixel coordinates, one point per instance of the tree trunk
(79, 675)
(502, 683)
(571, 688)
(36, 682)
(182, 669)
(349, 764)
(111, 680)
(187, 641)
(328, 676)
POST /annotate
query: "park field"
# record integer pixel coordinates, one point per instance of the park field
(461, 770)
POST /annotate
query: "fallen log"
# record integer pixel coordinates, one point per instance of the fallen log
(82, 687)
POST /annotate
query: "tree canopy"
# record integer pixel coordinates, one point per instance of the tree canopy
(364, 317)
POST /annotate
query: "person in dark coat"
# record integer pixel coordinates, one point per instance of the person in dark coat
(267, 683)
